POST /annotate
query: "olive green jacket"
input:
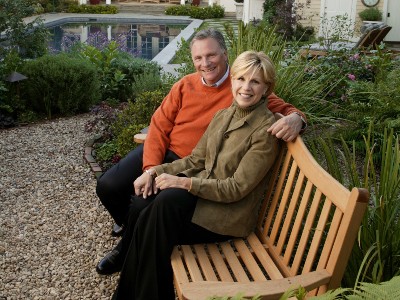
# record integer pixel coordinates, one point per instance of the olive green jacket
(228, 169)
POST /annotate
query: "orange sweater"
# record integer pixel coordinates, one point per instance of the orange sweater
(185, 113)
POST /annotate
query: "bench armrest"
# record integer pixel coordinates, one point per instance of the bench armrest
(272, 289)
(141, 137)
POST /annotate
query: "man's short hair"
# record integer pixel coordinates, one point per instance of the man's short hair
(210, 33)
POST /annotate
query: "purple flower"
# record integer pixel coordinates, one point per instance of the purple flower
(351, 77)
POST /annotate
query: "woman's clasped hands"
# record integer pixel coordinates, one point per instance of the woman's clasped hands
(146, 185)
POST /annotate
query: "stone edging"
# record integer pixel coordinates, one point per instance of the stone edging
(88, 156)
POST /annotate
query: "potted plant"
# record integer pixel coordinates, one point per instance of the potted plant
(371, 14)
(239, 9)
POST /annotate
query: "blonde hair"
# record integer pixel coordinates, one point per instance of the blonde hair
(252, 61)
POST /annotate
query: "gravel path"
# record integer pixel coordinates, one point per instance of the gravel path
(53, 229)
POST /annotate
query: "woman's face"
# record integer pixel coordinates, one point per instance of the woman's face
(248, 89)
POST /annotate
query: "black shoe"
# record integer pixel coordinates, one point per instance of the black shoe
(117, 230)
(110, 264)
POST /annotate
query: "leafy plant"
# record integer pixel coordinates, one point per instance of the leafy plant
(28, 39)
(284, 16)
(338, 28)
(92, 9)
(279, 14)
(59, 85)
(378, 102)
(146, 82)
(106, 151)
(376, 257)
(117, 69)
(133, 118)
(370, 14)
(196, 12)
(10, 102)
(236, 297)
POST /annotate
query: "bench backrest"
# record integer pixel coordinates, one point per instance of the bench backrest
(309, 221)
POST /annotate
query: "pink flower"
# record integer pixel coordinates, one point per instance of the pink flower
(351, 77)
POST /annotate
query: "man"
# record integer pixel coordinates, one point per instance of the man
(174, 131)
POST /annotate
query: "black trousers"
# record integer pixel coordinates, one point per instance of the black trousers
(164, 223)
(115, 187)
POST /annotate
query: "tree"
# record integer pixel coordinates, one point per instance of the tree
(27, 39)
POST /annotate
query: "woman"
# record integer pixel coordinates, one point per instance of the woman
(213, 194)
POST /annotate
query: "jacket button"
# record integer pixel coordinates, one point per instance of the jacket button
(226, 135)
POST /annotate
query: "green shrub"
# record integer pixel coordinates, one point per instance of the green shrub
(117, 69)
(134, 118)
(146, 82)
(92, 9)
(378, 102)
(124, 140)
(133, 69)
(106, 151)
(196, 12)
(29, 39)
(52, 5)
(10, 103)
(371, 14)
(60, 85)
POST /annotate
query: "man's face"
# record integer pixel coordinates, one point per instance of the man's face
(209, 60)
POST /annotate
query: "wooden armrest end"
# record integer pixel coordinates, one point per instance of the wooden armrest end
(271, 289)
(140, 138)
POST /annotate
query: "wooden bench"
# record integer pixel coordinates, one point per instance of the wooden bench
(306, 229)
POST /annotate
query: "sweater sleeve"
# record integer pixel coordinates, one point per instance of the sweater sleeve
(162, 122)
(278, 105)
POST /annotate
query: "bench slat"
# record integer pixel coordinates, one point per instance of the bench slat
(276, 196)
(219, 263)
(330, 239)
(191, 263)
(287, 225)
(179, 268)
(268, 193)
(262, 254)
(318, 233)
(283, 202)
(234, 263)
(180, 274)
(249, 261)
(301, 212)
(306, 232)
(204, 263)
